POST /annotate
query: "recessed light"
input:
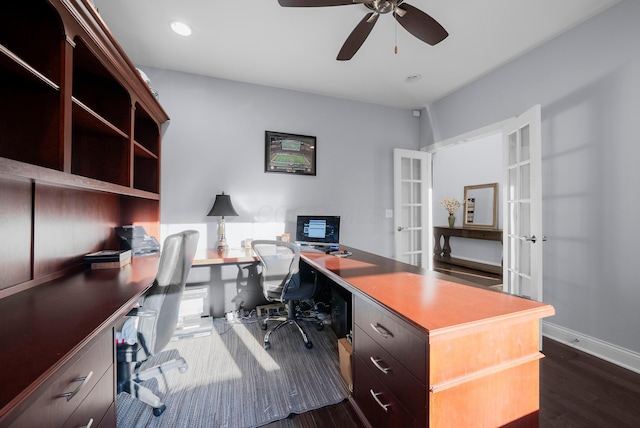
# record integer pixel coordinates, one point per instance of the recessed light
(414, 78)
(181, 28)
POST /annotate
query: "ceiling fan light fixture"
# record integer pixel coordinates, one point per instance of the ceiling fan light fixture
(181, 28)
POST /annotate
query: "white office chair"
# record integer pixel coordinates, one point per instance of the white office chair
(157, 319)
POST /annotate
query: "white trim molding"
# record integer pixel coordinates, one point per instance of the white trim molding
(612, 353)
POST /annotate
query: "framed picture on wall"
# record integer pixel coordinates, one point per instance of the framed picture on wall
(289, 153)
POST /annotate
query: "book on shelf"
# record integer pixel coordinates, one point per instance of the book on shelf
(108, 256)
(110, 265)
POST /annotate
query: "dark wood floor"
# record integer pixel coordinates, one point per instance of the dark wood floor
(479, 278)
(576, 390)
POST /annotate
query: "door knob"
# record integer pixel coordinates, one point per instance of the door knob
(400, 228)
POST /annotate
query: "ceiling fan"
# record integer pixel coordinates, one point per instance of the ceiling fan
(411, 18)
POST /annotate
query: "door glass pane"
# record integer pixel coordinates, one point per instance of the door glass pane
(525, 217)
(514, 243)
(405, 193)
(513, 175)
(525, 287)
(405, 168)
(525, 180)
(513, 148)
(405, 246)
(514, 281)
(513, 219)
(525, 258)
(416, 172)
(417, 238)
(417, 193)
(524, 144)
(417, 216)
(406, 216)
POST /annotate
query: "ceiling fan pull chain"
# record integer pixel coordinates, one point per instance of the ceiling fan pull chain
(395, 33)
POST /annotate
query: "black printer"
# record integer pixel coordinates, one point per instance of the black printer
(136, 239)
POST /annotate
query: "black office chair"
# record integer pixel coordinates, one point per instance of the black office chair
(157, 316)
(280, 281)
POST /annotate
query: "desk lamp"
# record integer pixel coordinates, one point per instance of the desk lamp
(222, 207)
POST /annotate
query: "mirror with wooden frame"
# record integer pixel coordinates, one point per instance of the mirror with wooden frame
(481, 206)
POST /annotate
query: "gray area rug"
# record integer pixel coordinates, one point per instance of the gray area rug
(232, 382)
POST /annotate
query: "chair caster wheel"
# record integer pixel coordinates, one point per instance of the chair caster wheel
(309, 345)
(157, 411)
(320, 326)
(183, 369)
(267, 345)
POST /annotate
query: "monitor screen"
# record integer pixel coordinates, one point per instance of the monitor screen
(318, 230)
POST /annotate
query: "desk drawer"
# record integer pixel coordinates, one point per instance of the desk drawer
(94, 407)
(397, 337)
(50, 408)
(380, 407)
(409, 391)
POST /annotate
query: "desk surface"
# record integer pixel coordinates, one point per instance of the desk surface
(440, 304)
(43, 327)
(210, 257)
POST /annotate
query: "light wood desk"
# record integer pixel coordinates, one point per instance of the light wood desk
(430, 351)
(211, 257)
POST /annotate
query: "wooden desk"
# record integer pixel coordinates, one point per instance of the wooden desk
(443, 253)
(56, 332)
(436, 352)
(210, 257)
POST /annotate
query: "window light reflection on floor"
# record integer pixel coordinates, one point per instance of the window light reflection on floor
(255, 347)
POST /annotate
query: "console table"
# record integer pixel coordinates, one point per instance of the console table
(443, 253)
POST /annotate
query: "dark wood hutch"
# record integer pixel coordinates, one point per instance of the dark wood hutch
(80, 135)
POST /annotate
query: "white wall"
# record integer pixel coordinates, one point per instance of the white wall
(588, 84)
(215, 142)
(466, 164)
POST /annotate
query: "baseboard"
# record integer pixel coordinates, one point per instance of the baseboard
(614, 354)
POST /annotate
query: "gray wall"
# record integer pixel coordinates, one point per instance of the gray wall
(215, 142)
(588, 84)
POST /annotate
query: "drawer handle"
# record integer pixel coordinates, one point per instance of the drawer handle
(381, 330)
(376, 362)
(385, 407)
(88, 425)
(84, 380)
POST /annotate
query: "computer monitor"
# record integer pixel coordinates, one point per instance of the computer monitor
(318, 230)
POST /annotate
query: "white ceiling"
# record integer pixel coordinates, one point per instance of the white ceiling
(258, 41)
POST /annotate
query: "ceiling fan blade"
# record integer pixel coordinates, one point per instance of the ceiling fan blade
(319, 3)
(420, 24)
(357, 37)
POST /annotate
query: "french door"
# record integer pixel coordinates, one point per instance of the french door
(522, 205)
(412, 205)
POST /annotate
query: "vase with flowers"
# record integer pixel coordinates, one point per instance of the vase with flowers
(451, 205)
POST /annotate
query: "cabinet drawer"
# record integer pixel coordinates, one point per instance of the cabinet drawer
(94, 407)
(397, 337)
(51, 408)
(403, 385)
(378, 405)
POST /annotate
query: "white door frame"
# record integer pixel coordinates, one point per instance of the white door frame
(412, 227)
(495, 128)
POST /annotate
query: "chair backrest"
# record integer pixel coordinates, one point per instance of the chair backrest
(165, 294)
(280, 262)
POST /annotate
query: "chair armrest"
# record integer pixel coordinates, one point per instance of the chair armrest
(140, 312)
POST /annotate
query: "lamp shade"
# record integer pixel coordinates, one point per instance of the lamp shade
(222, 206)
